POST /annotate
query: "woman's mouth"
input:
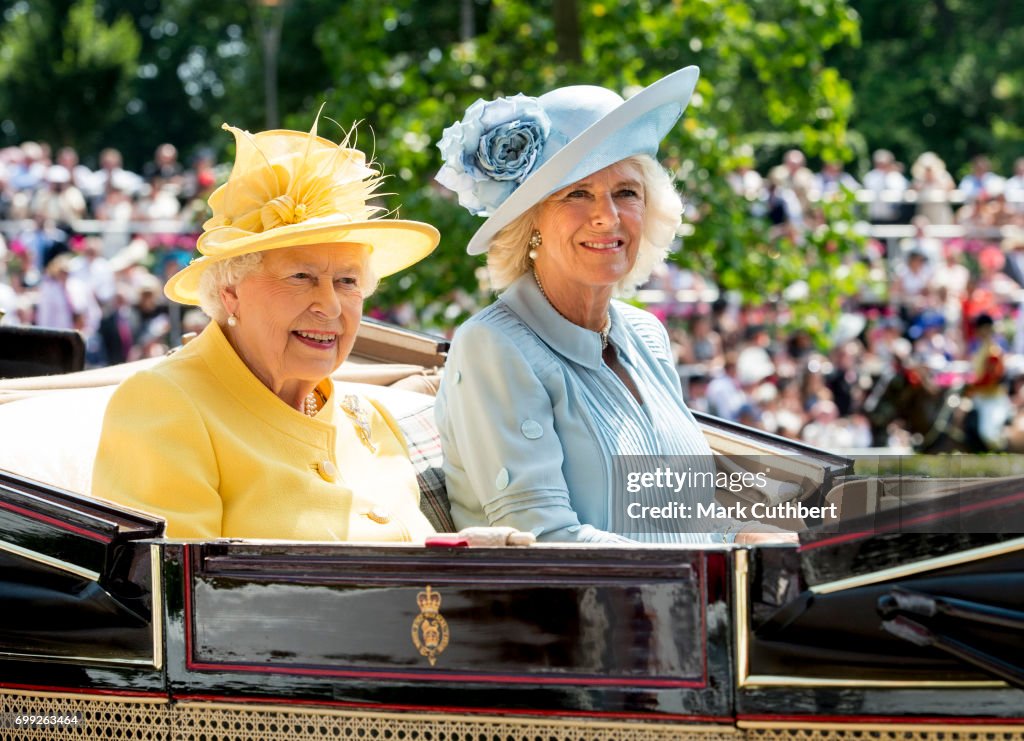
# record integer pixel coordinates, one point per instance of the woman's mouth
(604, 244)
(316, 339)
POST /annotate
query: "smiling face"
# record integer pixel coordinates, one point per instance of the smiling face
(298, 314)
(591, 231)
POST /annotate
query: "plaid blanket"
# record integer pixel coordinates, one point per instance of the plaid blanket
(424, 443)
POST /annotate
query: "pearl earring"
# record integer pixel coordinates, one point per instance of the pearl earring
(232, 320)
(533, 244)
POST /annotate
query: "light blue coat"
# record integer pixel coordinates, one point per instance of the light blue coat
(534, 425)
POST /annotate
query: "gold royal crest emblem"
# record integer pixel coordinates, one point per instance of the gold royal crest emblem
(429, 629)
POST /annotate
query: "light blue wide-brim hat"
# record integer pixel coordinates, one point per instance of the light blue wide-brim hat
(574, 131)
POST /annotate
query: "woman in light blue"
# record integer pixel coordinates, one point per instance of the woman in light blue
(555, 392)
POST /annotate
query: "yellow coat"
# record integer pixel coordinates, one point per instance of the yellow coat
(201, 442)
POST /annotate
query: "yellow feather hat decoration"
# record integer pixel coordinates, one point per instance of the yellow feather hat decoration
(290, 188)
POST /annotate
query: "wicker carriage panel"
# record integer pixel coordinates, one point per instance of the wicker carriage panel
(157, 720)
(120, 718)
(232, 723)
(881, 732)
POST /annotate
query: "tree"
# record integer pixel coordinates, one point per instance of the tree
(939, 75)
(196, 61)
(764, 69)
(406, 69)
(64, 73)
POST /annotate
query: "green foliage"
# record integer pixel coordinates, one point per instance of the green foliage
(763, 68)
(833, 77)
(64, 72)
(939, 75)
(195, 70)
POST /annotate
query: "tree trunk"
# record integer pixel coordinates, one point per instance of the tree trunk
(467, 28)
(567, 31)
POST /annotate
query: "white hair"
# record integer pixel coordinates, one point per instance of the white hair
(232, 271)
(220, 275)
(508, 254)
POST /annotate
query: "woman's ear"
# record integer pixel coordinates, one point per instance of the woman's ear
(229, 298)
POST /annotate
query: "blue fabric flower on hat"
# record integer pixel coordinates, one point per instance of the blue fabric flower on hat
(492, 150)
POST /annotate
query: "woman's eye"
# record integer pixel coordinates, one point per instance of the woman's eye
(577, 194)
(348, 280)
(629, 193)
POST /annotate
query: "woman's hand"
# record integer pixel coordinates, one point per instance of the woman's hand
(481, 536)
(496, 536)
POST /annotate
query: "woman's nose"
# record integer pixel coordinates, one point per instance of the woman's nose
(605, 212)
(325, 300)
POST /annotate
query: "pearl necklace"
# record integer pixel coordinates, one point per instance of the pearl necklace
(310, 405)
(603, 334)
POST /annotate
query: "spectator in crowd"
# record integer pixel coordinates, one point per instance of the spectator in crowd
(91, 268)
(911, 289)
(832, 179)
(794, 175)
(705, 342)
(151, 308)
(980, 181)
(744, 179)
(825, 428)
(41, 242)
(129, 264)
(988, 209)
(8, 296)
(81, 176)
(784, 210)
(787, 408)
(934, 187)
(158, 202)
(59, 200)
(986, 389)
(63, 301)
(112, 175)
(843, 380)
(5, 190)
(29, 167)
(725, 395)
(991, 278)
(951, 281)
(119, 327)
(116, 210)
(922, 241)
(932, 348)
(887, 185)
(164, 171)
(1014, 189)
(1012, 248)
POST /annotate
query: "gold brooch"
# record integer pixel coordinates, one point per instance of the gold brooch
(430, 629)
(350, 405)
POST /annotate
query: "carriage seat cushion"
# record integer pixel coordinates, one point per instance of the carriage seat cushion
(52, 437)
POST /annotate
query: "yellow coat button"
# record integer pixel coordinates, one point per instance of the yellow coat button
(379, 515)
(327, 470)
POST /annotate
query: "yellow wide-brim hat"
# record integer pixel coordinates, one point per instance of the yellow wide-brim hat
(290, 189)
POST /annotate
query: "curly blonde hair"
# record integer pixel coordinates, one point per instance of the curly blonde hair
(508, 255)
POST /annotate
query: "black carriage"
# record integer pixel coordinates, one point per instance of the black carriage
(902, 622)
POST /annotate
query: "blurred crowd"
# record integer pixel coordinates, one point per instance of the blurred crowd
(929, 356)
(937, 349)
(790, 192)
(91, 249)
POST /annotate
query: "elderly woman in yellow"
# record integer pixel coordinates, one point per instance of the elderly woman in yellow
(242, 433)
